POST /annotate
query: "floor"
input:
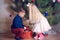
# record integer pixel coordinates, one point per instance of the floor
(10, 36)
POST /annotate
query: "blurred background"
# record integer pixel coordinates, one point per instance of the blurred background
(49, 8)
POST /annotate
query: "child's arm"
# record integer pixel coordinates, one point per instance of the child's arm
(18, 23)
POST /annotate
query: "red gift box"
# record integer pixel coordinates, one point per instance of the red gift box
(21, 33)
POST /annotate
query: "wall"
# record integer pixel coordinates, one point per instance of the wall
(4, 17)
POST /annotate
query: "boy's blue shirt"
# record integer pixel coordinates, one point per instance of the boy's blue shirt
(17, 22)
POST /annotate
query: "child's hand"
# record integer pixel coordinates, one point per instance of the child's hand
(24, 28)
(26, 22)
(30, 23)
(27, 28)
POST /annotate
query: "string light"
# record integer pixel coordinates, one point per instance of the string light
(54, 0)
(23, 0)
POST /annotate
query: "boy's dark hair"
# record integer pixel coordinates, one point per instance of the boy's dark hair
(21, 10)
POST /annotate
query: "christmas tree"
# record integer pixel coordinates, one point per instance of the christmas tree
(49, 6)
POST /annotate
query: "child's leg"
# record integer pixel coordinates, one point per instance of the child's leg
(18, 33)
(17, 38)
(34, 34)
(36, 37)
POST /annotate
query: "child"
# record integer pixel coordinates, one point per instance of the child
(17, 25)
(41, 24)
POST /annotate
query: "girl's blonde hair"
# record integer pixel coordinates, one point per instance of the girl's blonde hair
(34, 14)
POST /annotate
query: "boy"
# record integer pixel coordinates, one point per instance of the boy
(17, 25)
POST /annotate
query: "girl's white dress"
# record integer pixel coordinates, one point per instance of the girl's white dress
(41, 26)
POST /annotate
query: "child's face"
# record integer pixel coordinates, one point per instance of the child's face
(22, 14)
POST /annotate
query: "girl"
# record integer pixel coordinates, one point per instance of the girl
(41, 24)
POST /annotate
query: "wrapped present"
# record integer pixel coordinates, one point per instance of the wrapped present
(23, 33)
(28, 33)
(39, 36)
(45, 34)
